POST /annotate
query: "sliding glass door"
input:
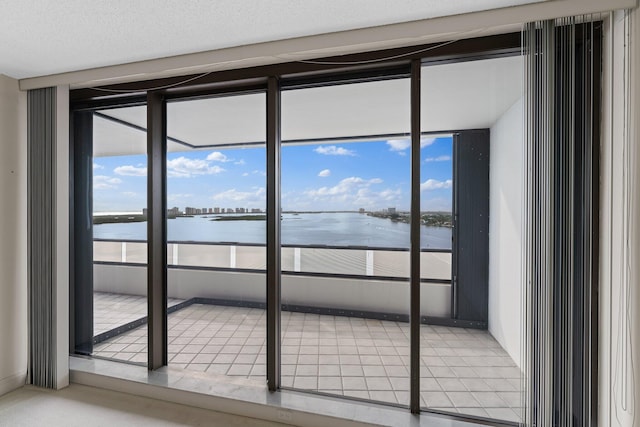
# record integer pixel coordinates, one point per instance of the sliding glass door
(470, 188)
(345, 240)
(216, 226)
(120, 234)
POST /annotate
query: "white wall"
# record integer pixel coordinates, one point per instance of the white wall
(62, 237)
(505, 230)
(13, 236)
(619, 316)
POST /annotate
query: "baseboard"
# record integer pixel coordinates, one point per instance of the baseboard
(13, 382)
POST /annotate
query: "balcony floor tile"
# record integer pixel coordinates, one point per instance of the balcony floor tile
(462, 370)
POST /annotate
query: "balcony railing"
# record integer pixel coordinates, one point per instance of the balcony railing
(367, 279)
(389, 263)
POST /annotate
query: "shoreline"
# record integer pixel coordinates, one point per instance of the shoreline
(429, 219)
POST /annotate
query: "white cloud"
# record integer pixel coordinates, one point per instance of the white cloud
(389, 195)
(324, 173)
(97, 166)
(217, 156)
(103, 182)
(130, 194)
(425, 142)
(129, 170)
(434, 184)
(436, 204)
(438, 159)
(240, 162)
(399, 145)
(332, 150)
(183, 167)
(258, 172)
(351, 187)
(347, 185)
(254, 198)
(245, 174)
(350, 193)
(177, 197)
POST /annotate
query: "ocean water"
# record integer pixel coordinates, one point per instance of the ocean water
(331, 229)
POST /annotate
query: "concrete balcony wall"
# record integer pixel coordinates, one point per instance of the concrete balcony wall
(358, 293)
(326, 292)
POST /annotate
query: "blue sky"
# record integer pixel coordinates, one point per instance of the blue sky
(331, 176)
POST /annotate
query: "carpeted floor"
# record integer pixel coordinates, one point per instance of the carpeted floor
(81, 406)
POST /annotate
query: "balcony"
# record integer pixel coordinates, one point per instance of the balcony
(345, 327)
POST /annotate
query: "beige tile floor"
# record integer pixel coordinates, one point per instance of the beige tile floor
(112, 310)
(462, 370)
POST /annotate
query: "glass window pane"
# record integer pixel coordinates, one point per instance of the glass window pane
(216, 235)
(345, 237)
(120, 235)
(471, 365)
(347, 111)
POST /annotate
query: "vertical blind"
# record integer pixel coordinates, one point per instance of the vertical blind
(560, 208)
(41, 222)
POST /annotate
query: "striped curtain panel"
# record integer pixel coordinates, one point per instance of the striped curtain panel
(41, 211)
(560, 215)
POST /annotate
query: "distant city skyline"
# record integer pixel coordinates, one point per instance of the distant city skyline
(371, 175)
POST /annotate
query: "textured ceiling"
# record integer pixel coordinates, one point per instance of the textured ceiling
(43, 37)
